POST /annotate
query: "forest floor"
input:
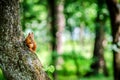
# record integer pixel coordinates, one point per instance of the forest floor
(85, 78)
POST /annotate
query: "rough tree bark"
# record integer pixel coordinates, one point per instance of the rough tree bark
(114, 11)
(16, 60)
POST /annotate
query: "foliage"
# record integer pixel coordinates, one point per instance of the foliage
(49, 70)
(1, 75)
(78, 14)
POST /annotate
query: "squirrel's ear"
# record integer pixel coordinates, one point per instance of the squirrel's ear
(29, 34)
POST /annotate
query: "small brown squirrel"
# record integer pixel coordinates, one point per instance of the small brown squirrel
(30, 42)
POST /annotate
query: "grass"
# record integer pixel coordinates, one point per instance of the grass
(97, 78)
(85, 78)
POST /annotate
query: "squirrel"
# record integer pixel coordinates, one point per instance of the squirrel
(30, 42)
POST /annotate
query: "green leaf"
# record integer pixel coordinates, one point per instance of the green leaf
(50, 69)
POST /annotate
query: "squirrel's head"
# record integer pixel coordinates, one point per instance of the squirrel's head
(31, 35)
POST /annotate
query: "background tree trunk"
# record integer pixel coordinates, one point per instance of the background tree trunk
(60, 24)
(98, 54)
(57, 26)
(53, 31)
(114, 11)
(16, 61)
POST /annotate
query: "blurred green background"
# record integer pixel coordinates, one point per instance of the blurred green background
(71, 53)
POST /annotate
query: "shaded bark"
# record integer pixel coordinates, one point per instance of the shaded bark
(114, 11)
(16, 60)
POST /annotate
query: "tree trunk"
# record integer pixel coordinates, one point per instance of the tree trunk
(16, 60)
(53, 31)
(98, 56)
(57, 27)
(60, 24)
(114, 11)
